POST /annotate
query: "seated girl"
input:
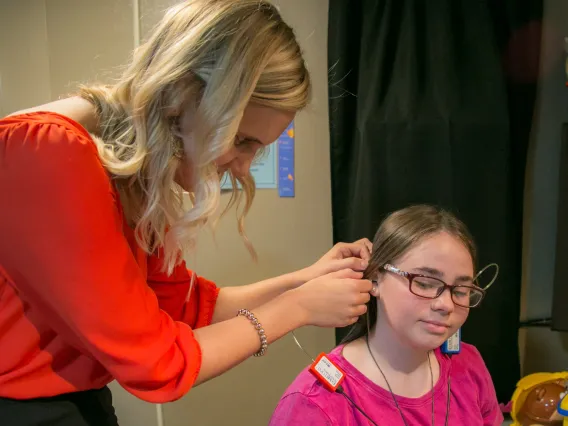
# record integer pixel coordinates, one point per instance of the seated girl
(422, 267)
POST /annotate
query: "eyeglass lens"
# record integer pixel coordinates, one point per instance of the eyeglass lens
(431, 288)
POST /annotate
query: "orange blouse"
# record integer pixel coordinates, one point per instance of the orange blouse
(80, 303)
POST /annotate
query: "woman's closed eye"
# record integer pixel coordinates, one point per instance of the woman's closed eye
(250, 147)
(247, 145)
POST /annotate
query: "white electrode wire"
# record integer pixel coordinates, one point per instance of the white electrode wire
(494, 277)
(302, 348)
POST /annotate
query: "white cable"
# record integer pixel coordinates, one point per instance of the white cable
(160, 413)
(302, 348)
(485, 269)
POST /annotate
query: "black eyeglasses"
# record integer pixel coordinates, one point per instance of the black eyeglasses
(466, 296)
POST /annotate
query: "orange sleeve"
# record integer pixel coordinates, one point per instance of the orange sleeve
(64, 251)
(184, 295)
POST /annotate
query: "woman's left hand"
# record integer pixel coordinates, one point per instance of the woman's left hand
(342, 256)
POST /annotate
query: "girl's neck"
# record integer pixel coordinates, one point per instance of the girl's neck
(408, 372)
(389, 350)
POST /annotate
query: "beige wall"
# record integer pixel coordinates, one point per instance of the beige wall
(62, 42)
(23, 55)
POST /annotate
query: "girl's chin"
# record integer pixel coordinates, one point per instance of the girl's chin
(428, 343)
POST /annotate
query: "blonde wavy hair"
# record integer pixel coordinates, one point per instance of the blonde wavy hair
(214, 57)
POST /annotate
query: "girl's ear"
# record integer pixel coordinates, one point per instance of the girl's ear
(377, 284)
(375, 289)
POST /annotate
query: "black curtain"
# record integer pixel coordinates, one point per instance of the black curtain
(432, 102)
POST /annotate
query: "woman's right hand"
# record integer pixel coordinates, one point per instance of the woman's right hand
(333, 300)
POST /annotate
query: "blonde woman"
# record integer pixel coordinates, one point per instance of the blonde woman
(93, 227)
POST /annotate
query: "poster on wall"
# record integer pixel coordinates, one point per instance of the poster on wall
(286, 166)
(275, 169)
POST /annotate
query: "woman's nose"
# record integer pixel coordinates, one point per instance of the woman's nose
(241, 166)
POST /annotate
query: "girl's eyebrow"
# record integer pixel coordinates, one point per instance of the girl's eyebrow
(439, 274)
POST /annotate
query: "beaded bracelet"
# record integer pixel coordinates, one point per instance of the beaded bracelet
(259, 329)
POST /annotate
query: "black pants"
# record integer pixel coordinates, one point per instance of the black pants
(88, 408)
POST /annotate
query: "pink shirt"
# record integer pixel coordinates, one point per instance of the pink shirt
(472, 401)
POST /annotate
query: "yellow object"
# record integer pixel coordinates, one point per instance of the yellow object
(526, 385)
(564, 406)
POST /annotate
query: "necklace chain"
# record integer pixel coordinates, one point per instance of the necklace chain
(390, 389)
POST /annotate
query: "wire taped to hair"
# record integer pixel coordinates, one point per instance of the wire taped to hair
(476, 278)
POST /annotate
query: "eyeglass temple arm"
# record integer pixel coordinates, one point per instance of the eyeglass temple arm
(394, 270)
